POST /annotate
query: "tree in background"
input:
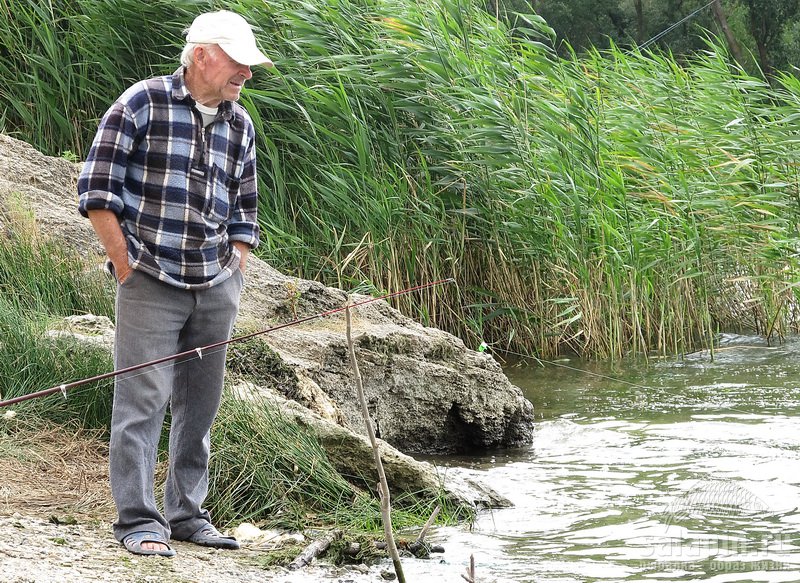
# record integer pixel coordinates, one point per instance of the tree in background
(760, 34)
(639, 8)
(767, 20)
(730, 37)
(584, 23)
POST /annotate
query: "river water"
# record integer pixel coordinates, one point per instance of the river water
(673, 470)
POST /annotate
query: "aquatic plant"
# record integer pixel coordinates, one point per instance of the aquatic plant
(614, 203)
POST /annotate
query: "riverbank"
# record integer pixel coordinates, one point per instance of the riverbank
(35, 549)
(55, 519)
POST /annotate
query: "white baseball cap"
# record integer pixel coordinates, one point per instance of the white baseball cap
(233, 35)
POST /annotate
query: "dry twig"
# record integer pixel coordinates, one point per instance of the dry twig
(314, 550)
(383, 487)
(470, 576)
(428, 524)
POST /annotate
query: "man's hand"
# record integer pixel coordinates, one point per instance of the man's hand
(106, 225)
(244, 252)
(123, 276)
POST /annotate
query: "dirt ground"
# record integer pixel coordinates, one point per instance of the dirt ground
(55, 523)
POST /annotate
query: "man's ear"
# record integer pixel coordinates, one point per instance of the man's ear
(200, 55)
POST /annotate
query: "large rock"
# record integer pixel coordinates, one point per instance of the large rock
(427, 392)
(42, 188)
(350, 453)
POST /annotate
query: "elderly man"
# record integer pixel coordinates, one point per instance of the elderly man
(170, 188)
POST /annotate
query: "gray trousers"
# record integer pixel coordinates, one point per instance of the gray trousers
(154, 320)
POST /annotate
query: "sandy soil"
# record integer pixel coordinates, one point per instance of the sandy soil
(56, 514)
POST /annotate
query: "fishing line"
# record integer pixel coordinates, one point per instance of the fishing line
(673, 27)
(199, 352)
(584, 371)
(573, 368)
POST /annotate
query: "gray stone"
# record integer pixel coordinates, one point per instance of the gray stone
(426, 392)
(351, 454)
(87, 328)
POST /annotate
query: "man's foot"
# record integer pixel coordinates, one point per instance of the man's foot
(147, 543)
(208, 536)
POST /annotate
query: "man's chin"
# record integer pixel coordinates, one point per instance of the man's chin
(232, 93)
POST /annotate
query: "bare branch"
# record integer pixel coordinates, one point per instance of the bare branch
(383, 487)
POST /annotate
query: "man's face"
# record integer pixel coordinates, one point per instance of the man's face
(222, 78)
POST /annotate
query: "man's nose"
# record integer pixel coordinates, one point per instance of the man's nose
(246, 72)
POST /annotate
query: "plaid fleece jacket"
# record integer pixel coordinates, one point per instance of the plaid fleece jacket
(182, 192)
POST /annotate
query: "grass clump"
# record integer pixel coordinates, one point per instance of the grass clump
(268, 470)
(30, 361)
(39, 276)
(42, 283)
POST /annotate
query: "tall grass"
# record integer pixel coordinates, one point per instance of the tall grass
(40, 283)
(268, 470)
(31, 361)
(62, 63)
(618, 202)
(264, 468)
(39, 276)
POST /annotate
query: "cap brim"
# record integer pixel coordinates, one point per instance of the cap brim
(246, 55)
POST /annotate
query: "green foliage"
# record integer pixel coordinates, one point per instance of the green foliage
(62, 63)
(768, 19)
(41, 281)
(610, 203)
(618, 202)
(38, 275)
(268, 470)
(271, 471)
(763, 27)
(31, 361)
(583, 24)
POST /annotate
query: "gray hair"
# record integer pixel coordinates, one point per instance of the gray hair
(187, 54)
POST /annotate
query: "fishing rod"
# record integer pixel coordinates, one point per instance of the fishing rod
(198, 352)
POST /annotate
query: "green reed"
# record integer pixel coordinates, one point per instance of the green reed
(614, 203)
(40, 283)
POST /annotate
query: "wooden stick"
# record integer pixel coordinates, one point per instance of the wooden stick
(383, 487)
(470, 576)
(314, 550)
(428, 524)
